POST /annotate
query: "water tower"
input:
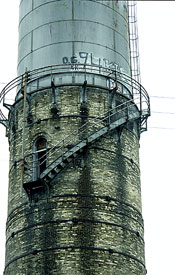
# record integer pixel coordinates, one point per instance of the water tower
(74, 201)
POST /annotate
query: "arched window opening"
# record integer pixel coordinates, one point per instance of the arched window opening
(40, 156)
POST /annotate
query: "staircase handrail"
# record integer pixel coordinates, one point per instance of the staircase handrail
(79, 131)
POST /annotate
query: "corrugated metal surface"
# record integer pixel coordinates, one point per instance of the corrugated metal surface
(73, 31)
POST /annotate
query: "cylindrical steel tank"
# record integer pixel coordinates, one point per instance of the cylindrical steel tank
(73, 31)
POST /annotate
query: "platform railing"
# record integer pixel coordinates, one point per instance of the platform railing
(73, 75)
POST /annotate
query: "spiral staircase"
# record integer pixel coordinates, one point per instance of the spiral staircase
(73, 145)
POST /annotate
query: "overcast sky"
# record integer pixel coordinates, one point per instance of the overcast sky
(156, 23)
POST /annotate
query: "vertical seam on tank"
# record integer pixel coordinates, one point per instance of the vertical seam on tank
(113, 29)
(31, 41)
(73, 20)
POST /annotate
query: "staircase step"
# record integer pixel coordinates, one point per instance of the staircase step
(62, 164)
(68, 159)
(57, 170)
(51, 175)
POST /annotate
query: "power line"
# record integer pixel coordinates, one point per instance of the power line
(162, 97)
(166, 113)
(160, 128)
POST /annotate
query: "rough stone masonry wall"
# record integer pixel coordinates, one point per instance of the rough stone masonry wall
(90, 222)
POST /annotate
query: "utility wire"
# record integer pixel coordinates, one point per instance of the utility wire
(162, 97)
(160, 128)
(164, 113)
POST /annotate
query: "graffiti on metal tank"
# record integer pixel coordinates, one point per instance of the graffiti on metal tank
(90, 59)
